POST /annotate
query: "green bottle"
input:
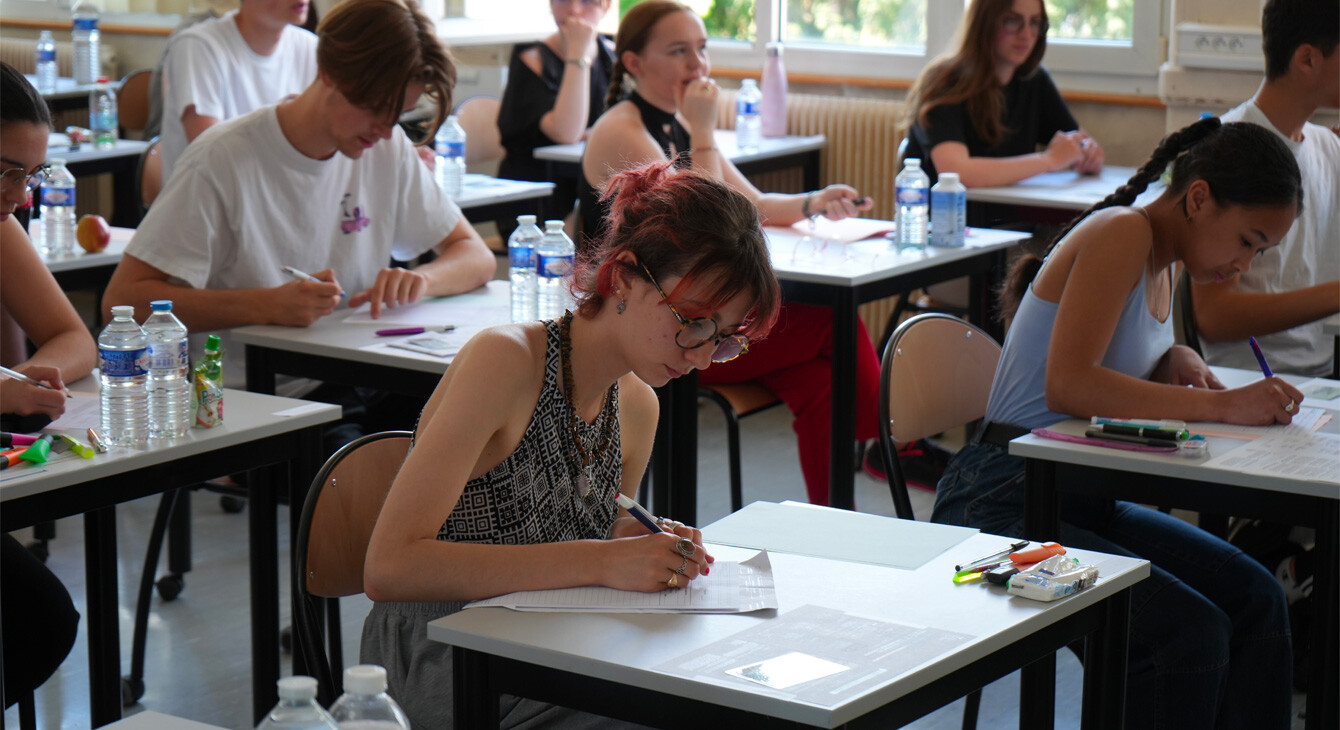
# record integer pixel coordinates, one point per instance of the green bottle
(207, 390)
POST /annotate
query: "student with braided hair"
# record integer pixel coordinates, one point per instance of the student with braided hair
(1091, 335)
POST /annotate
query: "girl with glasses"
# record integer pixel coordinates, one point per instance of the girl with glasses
(536, 428)
(984, 111)
(40, 620)
(663, 106)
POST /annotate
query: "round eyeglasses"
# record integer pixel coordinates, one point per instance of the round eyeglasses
(1014, 23)
(16, 176)
(698, 331)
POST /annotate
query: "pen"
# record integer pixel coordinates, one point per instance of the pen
(1260, 357)
(8, 439)
(1019, 557)
(638, 512)
(25, 379)
(1101, 435)
(1145, 431)
(413, 330)
(1166, 423)
(982, 561)
(299, 274)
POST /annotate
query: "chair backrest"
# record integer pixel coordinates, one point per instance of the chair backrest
(150, 174)
(132, 100)
(478, 116)
(936, 374)
(336, 524)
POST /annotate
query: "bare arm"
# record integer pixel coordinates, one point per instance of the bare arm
(1064, 151)
(295, 303)
(195, 124)
(1225, 312)
(566, 122)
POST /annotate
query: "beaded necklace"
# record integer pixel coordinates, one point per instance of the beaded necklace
(585, 457)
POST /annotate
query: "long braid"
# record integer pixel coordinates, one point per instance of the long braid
(614, 93)
(1026, 267)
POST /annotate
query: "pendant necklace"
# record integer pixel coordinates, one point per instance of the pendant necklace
(585, 460)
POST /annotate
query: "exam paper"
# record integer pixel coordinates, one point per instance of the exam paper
(82, 410)
(487, 305)
(1307, 419)
(1288, 453)
(730, 588)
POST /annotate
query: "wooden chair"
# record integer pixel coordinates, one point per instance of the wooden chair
(149, 173)
(337, 520)
(737, 401)
(936, 374)
(132, 101)
(478, 116)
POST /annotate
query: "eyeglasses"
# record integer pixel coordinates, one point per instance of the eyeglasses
(696, 332)
(583, 3)
(1013, 23)
(16, 176)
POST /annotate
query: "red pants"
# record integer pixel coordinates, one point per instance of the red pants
(795, 361)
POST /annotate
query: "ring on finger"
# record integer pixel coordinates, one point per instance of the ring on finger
(673, 582)
(685, 547)
(1289, 408)
(682, 567)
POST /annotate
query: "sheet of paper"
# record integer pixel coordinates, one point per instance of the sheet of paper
(1307, 419)
(82, 411)
(847, 229)
(487, 305)
(1322, 391)
(730, 588)
(1289, 453)
(821, 655)
(792, 527)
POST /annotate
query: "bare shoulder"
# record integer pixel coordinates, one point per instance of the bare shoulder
(636, 397)
(618, 141)
(505, 351)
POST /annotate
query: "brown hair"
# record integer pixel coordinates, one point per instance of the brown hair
(373, 49)
(968, 76)
(634, 32)
(682, 223)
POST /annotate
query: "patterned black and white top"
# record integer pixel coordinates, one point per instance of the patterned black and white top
(532, 496)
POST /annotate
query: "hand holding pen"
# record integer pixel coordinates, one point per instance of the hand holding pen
(686, 557)
(304, 300)
(39, 390)
(1268, 401)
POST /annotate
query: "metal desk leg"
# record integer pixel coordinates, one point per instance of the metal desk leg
(1042, 509)
(1105, 668)
(261, 524)
(1323, 701)
(260, 374)
(104, 631)
(683, 494)
(303, 465)
(841, 471)
(474, 696)
(661, 453)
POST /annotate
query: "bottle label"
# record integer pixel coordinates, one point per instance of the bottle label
(86, 24)
(554, 267)
(45, 55)
(947, 218)
(521, 257)
(169, 357)
(913, 196)
(122, 363)
(209, 402)
(451, 149)
(52, 195)
(743, 107)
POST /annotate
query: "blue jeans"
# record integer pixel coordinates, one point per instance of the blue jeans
(1209, 629)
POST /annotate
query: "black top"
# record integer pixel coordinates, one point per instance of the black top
(525, 100)
(673, 139)
(1034, 111)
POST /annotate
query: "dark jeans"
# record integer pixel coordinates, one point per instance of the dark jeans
(40, 620)
(1209, 628)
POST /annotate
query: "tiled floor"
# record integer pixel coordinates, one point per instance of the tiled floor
(198, 663)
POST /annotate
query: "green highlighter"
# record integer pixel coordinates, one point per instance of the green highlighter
(38, 451)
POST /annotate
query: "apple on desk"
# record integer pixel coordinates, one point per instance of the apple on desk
(93, 233)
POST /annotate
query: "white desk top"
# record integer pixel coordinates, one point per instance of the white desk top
(1331, 325)
(796, 259)
(66, 88)
(637, 648)
(248, 416)
(770, 147)
(465, 32)
(332, 336)
(58, 147)
(79, 258)
(477, 190)
(150, 720)
(1064, 190)
(1175, 465)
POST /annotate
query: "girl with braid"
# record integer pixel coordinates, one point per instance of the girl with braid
(1091, 335)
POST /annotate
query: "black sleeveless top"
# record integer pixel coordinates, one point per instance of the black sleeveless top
(673, 139)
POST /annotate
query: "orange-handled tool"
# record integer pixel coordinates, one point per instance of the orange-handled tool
(1037, 554)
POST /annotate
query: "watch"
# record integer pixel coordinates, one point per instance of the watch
(583, 62)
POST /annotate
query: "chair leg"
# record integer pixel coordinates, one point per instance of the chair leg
(132, 685)
(27, 712)
(733, 446)
(971, 704)
(335, 640)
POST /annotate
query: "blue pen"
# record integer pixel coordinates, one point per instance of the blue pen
(638, 512)
(299, 274)
(1260, 357)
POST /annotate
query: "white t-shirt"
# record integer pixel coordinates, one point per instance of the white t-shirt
(1308, 255)
(245, 203)
(210, 66)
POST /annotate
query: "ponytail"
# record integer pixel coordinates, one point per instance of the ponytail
(1243, 164)
(615, 92)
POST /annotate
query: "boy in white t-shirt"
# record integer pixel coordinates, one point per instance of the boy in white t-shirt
(1294, 286)
(228, 66)
(325, 182)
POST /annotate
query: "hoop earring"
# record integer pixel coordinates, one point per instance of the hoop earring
(623, 303)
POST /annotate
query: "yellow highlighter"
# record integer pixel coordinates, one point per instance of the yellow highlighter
(77, 446)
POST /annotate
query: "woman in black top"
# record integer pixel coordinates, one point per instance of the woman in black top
(984, 111)
(555, 90)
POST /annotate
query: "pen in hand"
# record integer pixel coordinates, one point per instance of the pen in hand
(1260, 357)
(638, 512)
(25, 379)
(303, 275)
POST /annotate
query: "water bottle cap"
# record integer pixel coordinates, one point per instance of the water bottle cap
(912, 162)
(365, 679)
(525, 220)
(749, 82)
(949, 177)
(552, 226)
(297, 688)
(774, 48)
(123, 311)
(161, 305)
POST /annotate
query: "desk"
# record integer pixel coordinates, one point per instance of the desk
(485, 198)
(69, 95)
(774, 153)
(286, 450)
(613, 664)
(81, 269)
(1066, 190)
(121, 160)
(1331, 325)
(1176, 481)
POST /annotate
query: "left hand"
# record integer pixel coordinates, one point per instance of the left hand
(698, 104)
(1182, 366)
(836, 202)
(1091, 156)
(23, 399)
(394, 286)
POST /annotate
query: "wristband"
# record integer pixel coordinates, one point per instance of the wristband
(582, 62)
(805, 206)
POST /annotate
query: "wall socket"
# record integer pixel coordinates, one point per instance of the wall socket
(1230, 47)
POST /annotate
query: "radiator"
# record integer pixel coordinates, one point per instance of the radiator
(862, 152)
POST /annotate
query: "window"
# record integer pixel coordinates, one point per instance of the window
(874, 23)
(1101, 20)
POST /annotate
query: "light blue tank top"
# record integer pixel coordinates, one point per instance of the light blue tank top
(1018, 394)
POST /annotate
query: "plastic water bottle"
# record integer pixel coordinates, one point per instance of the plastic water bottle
(102, 118)
(521, 253)
(46, 63)
(169, 372)
(774, 93)
(122, 358)
(913, 205)
(748, 112)
(450, 147)
(58, 210)
(297, 708)
(87, 66)
(949, 211)
(553, 267)
(365, 704)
